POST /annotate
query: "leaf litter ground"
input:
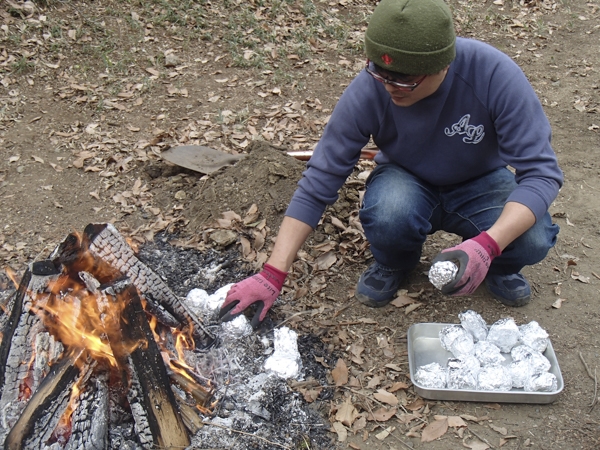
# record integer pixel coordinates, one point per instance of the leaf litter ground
(92, 92)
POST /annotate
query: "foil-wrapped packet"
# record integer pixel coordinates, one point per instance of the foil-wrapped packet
(537, 362)
(442, 272)
(504, 334)
(431, 376)
(461, 373)
(474, 324)
(457, 340)
(543, 382)
(488, 354)
(520, 373)
(533, 335)
(494, 378)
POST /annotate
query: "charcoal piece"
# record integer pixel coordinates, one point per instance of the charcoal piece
(488, 354)
(474, 324)
(533, 335)
(504, 334)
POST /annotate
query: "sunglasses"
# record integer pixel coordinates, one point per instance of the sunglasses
(371, 69)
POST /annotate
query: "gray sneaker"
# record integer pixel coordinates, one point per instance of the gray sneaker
(378, 284)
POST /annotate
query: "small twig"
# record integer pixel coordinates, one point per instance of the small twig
(595, 399)
(481, 438)
(247, 434)
(593, 377)
(587, 369)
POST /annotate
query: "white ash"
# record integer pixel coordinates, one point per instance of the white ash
(431, 376)
(442, 272)
(533, 335)
(505, 334)
(494, 378)
(251, 372)
(285, 362)
(474, 324)
(488, 354)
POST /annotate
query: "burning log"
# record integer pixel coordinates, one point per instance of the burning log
(151, 398)
(82, 304)
(19, 334)
(45, 406)
(106, 243)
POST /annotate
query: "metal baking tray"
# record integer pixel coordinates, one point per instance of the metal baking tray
(424, 347)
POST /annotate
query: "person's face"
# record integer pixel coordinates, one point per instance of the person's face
(406, 97)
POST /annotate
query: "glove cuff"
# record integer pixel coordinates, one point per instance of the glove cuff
(488, 243)
(274, 276)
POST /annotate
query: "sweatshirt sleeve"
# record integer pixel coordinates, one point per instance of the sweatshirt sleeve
(352, 122)
(524, 137)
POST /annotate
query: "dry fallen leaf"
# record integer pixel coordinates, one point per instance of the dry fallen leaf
(341, 431)
(385, 433)
(475, 445)
(434, 430)
(382, 414)
(558, 303)
(502, 430)
(340, 373)
(386, 397)
(346, 413)
(402, 301)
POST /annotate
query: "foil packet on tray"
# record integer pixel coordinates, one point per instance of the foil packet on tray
(502, 362)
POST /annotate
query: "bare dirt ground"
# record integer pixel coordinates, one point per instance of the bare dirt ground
(92, 92)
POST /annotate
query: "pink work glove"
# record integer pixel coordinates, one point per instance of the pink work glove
(262, 289)
(473, 258)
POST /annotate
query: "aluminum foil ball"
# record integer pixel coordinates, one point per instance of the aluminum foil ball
(441, 273)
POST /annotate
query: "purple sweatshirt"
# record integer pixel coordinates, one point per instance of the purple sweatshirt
(485, 115)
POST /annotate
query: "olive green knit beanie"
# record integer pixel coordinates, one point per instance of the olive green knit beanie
(415, 37)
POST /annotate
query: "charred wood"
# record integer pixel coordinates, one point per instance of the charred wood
(20, 334)
(91, 418)
(153, 404)
(45, 407)
(200, 395)
(106, 243)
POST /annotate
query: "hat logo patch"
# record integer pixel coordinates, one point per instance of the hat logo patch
(387, 59)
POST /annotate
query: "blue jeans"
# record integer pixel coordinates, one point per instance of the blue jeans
(400, 210)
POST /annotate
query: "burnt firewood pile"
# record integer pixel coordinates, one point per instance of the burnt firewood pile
(98, 352)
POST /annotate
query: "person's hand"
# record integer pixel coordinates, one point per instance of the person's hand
(473, 258)
(261, 289)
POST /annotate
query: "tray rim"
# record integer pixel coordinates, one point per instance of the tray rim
(512, 396)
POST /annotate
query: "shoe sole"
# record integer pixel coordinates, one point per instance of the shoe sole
(522, 301)
(369, 302)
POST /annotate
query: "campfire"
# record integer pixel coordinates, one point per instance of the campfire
(93, 338)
